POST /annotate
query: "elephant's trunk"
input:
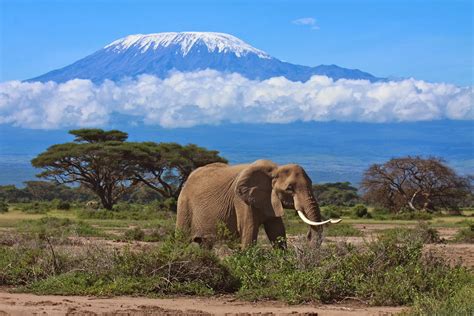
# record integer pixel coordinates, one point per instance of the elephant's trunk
(308, 210)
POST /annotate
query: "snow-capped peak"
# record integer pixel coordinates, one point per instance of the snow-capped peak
(220, 42)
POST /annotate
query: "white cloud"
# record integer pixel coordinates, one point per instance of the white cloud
(211, 97)
(308, 22)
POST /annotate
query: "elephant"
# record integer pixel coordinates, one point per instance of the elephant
(244, 197)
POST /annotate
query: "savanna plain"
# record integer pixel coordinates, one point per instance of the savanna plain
(61, 258)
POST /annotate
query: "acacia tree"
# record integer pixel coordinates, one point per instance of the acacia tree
(164, 167)
(96, 159)
(337, 193)
(414, 183)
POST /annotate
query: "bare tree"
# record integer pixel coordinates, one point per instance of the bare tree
(415, 183)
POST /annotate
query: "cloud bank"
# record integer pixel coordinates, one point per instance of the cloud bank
(211, 97)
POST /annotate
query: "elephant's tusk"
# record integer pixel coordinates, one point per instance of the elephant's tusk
(309, 222)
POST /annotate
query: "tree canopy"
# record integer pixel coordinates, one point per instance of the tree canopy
(96, 159)
(108, 165)
(415, 183)
(164, 167)
(337, 193)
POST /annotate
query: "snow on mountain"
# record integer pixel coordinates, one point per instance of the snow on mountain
(220, 42)
(158, 54)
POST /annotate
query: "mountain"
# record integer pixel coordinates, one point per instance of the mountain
(160, 53)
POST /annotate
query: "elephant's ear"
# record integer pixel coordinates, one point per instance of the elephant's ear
(254, 186)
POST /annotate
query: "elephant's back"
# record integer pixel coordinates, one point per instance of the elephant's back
(212, 175)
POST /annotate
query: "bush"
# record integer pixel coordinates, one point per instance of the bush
(342, 230)
(135, 233)
(36, 207)
(133, 213)
(422, 233)
(383, 273)
(384, 214)
(422, 216)
(460, 303)
(174, 267)
(360, 211)
(62, 205)
(3, 207)
(465, 235)
(380, 213)
(167, 205)
(53, 227)
(331, 211)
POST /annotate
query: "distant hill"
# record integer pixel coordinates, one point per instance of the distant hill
(329, 151)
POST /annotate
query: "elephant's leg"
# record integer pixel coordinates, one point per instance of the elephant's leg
(275, 230)
(248, 235)
(247, 224)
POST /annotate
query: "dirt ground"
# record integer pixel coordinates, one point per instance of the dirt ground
(28, 304)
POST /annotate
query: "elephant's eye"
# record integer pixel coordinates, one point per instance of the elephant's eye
(289, 188)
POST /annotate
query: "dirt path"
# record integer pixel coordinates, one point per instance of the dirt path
(28, 304)
(370, 230)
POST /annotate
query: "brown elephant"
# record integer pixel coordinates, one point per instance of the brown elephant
(243, 197)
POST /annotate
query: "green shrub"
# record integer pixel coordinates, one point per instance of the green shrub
(3, 207)
(135, 233)
(460, 303)
(384, 214)
(167, 205)
(158, 234)
(36, 207)
(422, 233)
(360, 211)
(64, 206)
(423, 216)
(380, 213)
(331, 211)
(133, 213)
(53, 227)
(382, 273)
(174, 267)
(465, 235)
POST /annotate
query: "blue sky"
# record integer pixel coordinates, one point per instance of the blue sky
(428, 40)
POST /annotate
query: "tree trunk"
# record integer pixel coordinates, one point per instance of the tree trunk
(410, 202)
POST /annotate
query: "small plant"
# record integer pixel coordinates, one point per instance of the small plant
(167, 205)
(64, 206)
(422, 233)
(157, 234)
(465, 235)
(380, 213)
(3, 207)
(360, 211)
(53, 227)
(225, 236)
(135, 233)
(331, 211)
(132, 213)
(170, 204)
(36, 207)
(410, 215)
(173, 267)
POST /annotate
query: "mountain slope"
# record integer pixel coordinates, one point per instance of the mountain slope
(160, 53)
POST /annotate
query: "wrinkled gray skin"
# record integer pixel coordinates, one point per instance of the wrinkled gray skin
(245, 197)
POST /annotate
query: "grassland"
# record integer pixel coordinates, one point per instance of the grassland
(134, 251)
